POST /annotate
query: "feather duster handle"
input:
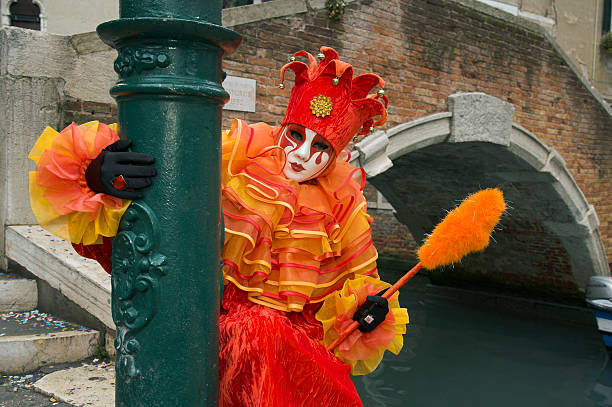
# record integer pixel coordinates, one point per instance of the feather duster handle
(464, 230)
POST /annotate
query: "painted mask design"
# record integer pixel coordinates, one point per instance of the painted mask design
(308, 153)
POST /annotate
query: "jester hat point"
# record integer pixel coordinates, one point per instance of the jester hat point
(328, 100)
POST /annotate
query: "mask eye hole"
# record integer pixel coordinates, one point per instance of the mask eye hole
(320, 146)
(296, 136)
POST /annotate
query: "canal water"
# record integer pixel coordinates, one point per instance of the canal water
(472, 349)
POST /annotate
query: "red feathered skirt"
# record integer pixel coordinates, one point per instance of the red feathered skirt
(270, 358)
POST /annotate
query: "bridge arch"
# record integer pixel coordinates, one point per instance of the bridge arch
(550, 234)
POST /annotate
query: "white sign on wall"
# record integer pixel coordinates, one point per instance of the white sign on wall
(242, 93)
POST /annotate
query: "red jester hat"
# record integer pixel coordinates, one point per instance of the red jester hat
(328, 100)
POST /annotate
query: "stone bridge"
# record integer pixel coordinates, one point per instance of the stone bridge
(549, 236)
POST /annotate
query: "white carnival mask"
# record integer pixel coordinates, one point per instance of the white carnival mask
(308, 153)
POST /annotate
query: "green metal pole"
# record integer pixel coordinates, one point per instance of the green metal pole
(165, 257)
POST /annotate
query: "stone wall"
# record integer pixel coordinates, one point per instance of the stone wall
(391, 237)
(79, 111)
(428, 50)
(27, 103)
(40, 76)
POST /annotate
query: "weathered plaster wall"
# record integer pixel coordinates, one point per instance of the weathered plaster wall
(39, 72)
(29, 102)
(89, 72)
(67, 17)
(578, 30)
(537, 7)
(82, 61)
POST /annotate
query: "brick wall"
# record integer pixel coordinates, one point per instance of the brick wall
(391, 238)
(427, 50)
(80, 112)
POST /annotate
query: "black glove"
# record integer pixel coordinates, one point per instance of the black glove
(115, 166)
(372, 312)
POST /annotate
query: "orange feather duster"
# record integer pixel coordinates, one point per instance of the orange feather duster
(464, 230)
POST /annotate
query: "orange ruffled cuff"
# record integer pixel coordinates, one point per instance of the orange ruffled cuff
(362, 351)
(61, 201)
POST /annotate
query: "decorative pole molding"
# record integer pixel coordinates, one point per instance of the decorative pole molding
(165, 278)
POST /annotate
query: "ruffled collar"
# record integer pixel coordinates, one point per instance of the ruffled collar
(332, 195)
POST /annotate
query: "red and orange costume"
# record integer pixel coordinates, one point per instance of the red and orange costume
(289, 246)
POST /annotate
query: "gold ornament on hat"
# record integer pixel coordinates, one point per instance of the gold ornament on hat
(321, 106)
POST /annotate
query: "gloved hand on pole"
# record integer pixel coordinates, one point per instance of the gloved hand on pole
(119, 172)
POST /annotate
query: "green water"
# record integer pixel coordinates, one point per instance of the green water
(470, 349)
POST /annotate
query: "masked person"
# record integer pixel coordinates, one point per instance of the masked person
(297, 235)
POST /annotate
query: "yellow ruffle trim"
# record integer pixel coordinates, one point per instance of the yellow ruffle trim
(60, 199)
(362, 351)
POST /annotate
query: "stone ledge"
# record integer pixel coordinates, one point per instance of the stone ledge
(373, 156)
(256, 12)
(81, 386)
(419, 133)
(33, 53)
(53, 260)
(528, 147)
(565, 184)
(271, 9)
(18, 294)
(21, 354)
(89, 42)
